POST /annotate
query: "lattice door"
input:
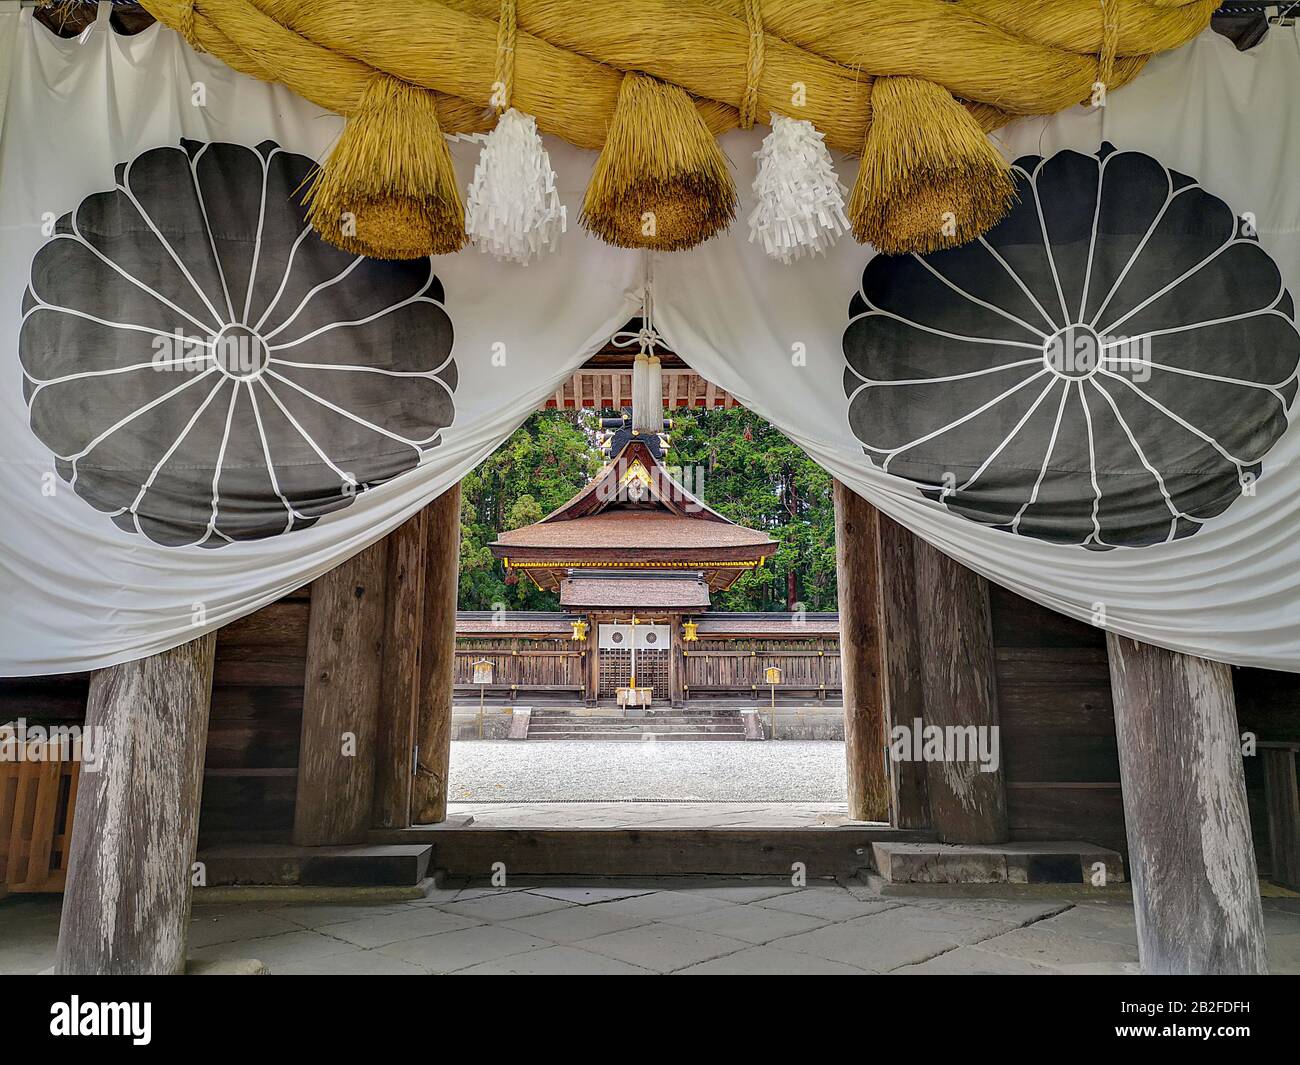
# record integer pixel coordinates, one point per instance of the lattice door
(615, 669)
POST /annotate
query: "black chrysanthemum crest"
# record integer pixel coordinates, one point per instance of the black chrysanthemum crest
(206, 370)
(1108, 366)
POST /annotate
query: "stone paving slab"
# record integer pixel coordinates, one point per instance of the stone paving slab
(688, 925)
(663, 947)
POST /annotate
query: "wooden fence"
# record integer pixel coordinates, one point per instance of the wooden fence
(36, 803)
(738, 667)
(522, 663)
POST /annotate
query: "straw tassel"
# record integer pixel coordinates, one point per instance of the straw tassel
(661, 181)
(800, 199)
(929, 178)
(388, 189)
(514, 212)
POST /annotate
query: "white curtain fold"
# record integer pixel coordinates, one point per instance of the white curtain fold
(136, 514)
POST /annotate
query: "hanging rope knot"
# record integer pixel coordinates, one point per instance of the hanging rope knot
(647, 338)
(503, 88)
(754, 71)
(1110, 16)
(187, 25)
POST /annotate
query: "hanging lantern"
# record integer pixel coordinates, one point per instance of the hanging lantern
(579, 630)
(799, 198)
(689, 631)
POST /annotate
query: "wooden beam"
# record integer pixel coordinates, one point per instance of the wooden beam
(1191, 859)
(399, 695)
(345, 660)
(861, 646)
(904, 695)
(126, 904)
(437, 658)
(955, 645)
(1282, 797)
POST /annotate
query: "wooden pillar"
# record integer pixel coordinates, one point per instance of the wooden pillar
(593, 659)
(399, 695)
(1191, 859)
(336, 761)
(437, 659)
(126, 905)
(955, 647)
(1282, 797)
(676, 664)
(860, 655)
(904, 695)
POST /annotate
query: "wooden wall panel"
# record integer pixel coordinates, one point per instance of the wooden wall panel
(1058, 725)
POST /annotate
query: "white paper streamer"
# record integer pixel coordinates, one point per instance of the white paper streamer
(800, 207)
(513, 211)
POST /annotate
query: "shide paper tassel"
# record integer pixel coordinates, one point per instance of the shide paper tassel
(661, 181)
(388, 189)
(514, 211)
(929, 178)
(800, 200)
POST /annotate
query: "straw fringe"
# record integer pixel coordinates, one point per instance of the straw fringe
(999, 58)
(661, 180)
(388, 189)
(929, 177)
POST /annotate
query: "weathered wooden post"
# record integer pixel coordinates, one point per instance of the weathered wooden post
(399, 695)
(904, 698)
(955, 646)
(437, 659)
(861, 634)
(336, 763)
(126, 905)
(1191, 859)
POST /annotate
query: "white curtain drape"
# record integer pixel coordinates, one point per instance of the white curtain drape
(778, 338)
(84, 586)
(136, 513)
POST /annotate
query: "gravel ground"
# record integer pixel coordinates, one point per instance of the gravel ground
(710, 771)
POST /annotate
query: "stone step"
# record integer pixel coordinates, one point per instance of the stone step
(637, 737)
(633, 726)
(822, 851)
(1069, 862)
(354, 866)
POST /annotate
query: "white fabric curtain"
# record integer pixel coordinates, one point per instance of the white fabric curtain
(342, 396)
(1228, 587)
(464, 357)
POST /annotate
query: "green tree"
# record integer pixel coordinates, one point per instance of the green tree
(550, 457)
(732, 459)
(746, 469)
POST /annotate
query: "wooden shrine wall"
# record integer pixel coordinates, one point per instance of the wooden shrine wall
(527, 664)
(253, 735)
(1053, 684)
(721, 667)
(251, 778)
(1060, 758)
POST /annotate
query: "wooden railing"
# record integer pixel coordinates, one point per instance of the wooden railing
(521, 663)
(36, 803)
(715, 667)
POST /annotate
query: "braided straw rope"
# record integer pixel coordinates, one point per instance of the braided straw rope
(507, 30)
(813, 59)
(754, 72)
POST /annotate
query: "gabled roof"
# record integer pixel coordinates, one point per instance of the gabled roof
(635, 590)
(634, 514)
(635, 465)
